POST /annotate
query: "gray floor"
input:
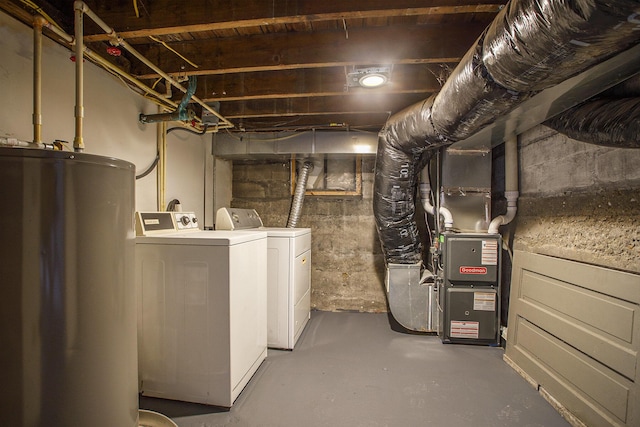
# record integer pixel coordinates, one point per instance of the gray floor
(352, 369)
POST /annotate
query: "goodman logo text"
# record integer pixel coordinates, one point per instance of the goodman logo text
(473, 270)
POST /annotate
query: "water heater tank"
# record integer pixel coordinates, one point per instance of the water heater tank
(67, 310)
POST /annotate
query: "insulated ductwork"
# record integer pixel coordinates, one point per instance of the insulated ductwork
(609, 122)
(610, 119)
(530, 46)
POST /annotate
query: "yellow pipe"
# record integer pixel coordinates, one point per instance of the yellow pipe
(161, 141)
(38, 23)
(81, 7)
(167, 103)
(78, 142)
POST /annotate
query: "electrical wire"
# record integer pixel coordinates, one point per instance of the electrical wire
(157, 40)
(155, 162)
(282, 138)
(150, 168)
(202, 132)
(39, 10)
(171, 206)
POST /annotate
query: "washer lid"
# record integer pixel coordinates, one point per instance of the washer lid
(204, 238)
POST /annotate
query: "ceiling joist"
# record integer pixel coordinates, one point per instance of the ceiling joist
(283, 64)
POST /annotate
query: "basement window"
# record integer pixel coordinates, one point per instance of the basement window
(331, 175)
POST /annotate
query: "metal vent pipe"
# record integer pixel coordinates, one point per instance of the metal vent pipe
(298, 196)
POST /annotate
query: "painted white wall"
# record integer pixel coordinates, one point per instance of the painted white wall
(186, 168)
(111, 126)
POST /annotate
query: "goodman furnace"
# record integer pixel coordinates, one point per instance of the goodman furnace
(469, 294)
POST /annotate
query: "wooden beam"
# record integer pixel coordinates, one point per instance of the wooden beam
(310, 82)
(345, 11)
(366, 46)
(370, 121)
(453, 60)
(374, 103)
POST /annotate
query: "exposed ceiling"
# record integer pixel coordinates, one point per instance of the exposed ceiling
(283, 64)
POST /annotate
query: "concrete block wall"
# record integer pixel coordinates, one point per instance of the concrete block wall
(347, 262)
(578, 201)
(553, 164)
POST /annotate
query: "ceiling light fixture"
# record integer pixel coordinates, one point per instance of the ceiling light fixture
(371, 77)
(372, 80)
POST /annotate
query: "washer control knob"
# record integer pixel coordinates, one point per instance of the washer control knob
(185, 220)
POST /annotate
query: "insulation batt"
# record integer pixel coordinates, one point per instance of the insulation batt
(610, 122)
(531, 45)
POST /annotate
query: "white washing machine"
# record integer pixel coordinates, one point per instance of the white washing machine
(288, 274)
(202, 298)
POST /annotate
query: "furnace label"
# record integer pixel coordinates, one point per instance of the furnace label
(484, 301)
(460, 329)
(489, 252)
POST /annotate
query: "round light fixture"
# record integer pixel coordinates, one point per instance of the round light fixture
(372, 80)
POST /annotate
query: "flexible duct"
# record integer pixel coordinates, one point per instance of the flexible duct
(610, 119)
(535, 44)
(629, 88)
(298, 196)
(608, 122)
(531, 45)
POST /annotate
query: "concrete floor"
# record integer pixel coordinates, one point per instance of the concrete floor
(353, 369)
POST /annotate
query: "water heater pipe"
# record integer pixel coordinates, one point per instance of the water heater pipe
(161, 176)
(425, 195)
(116, 40)
(78, 142)
(181, 113)
(38, 23)
(159, 98)
(6, 141)
(510, 185)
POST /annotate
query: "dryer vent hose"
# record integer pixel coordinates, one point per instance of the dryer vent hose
(298, 196)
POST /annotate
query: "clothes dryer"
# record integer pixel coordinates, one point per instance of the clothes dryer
(288, 274)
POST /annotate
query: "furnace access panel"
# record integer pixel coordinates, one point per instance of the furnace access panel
(470, 294)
